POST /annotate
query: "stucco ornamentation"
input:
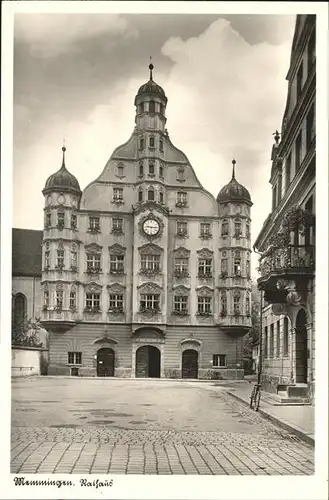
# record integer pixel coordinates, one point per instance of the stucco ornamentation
(93, 248)
(117, 249)
(149, 287)
(92, 287)
(181, 252)
(150, 249)
(205, 253)
(205, 291)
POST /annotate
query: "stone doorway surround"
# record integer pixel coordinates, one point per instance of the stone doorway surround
(147, 335)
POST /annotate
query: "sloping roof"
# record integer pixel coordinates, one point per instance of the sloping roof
(26, 252)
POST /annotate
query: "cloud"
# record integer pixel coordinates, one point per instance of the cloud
(50, 35)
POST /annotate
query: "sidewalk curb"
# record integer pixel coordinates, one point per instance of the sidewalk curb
(280, 423)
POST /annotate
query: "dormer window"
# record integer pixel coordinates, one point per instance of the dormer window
(152, 142)
(120, 171)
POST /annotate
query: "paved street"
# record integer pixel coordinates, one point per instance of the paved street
(101, 426)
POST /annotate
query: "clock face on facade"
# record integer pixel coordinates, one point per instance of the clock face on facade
(151, 227)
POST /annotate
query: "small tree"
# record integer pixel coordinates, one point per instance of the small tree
(24, 331)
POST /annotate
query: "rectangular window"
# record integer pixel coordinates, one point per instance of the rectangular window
(151, 169)
(180, 303)
(150, 195)
(141, 143)
(46, 298)
(117, 225)
(160, 171)
(93, 262)
(59, 298)
(141, 170)
(237, 267)
(223, 266)
(74, 358)
(272, 340)
(60, 258)
(161, 145)
(278, 339)
(181, 265)
(74, 259)
(265, 342)
(298, 151)
(73, 300)
(47, 259)
(310, 127)
(224, 228)
(237, 229)
(94, 224)
(150, 262)
(205, 229)
(117, 194)
(120, 171)
(140, 196)
(93, 301)
(48, 219)
(181, 174)
(73, 221)
(181, 198)
(248, 231)
(205, 268)
(150, 302)
(274, 198)
(152, 142)
(116, 302)
(204, 305)
(236, 305)
(117, 264)
(285, 336)
(218, 360)
(60, 219)
(248, 268)
(299, 82)
(288, 171)
(181, 228)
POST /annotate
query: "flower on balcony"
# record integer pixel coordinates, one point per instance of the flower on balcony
(237, 234)
(236, 313)
(181, 204)
(204, 313)
(116, 310)
(45, 307)
(94, 229)
(73, 309)
(117, 200)
(206, 235)
(46, 268)
(117, 230)
(182, 233)
(181, 273)
(58, 308)
(60, 225)
(223, 313)
(205, 275)
(59, 267)
(149, 272)
(74, 269)
(149, 310)
(182, 312)
(93, 270)
(223, 274)
(92, 310)
(117, 271)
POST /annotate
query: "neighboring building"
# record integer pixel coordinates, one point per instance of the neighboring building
(26, 276)
(146, 274)
(287, 239)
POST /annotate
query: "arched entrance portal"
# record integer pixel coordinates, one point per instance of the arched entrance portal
(301, 347)
(190, 364)
(148, 361)
(105, 362)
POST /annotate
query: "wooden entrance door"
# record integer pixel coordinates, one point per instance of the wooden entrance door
(301, 347)
(190, 364)
(148, 360)
(105, 362)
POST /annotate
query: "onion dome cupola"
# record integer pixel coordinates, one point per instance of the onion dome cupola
(234, 191)
(62, 180)
(150, 102)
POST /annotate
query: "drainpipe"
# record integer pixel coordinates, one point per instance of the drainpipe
(260, 336)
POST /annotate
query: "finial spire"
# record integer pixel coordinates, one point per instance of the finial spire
(233, 169)
(151, 67)
(276, 135)
(63, 149)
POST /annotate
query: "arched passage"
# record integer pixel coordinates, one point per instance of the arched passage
(190, 364)
(105, 362)
(148, 362)
(301, 347)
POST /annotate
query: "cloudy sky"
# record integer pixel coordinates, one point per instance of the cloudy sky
(76, 76)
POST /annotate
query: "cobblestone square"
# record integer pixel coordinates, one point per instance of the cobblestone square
(101, 426)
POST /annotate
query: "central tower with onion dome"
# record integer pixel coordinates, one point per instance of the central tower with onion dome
(154, 277)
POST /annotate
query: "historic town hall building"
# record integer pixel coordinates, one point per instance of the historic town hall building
(146, 274)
